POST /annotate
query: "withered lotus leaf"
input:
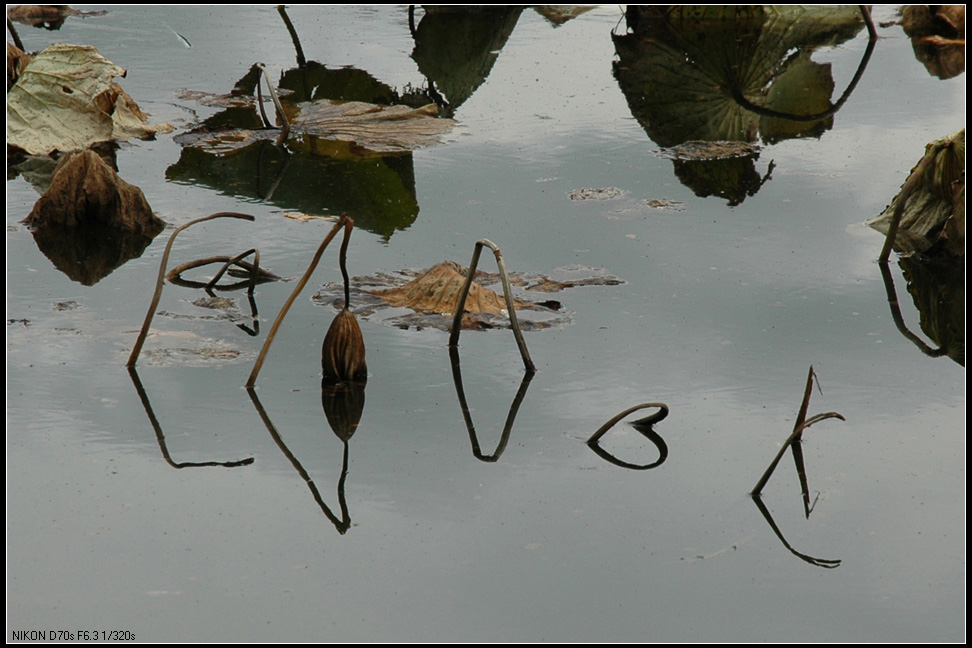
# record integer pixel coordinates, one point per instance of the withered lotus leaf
(84, 188)
(66, 99)
(437, 291)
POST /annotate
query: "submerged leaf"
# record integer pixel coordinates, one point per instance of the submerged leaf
(66, 100)
(710, 150)
(604, 193)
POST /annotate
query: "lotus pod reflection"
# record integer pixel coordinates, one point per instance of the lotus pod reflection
(343, 406)
(343, 352)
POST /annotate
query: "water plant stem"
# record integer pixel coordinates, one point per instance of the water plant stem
(648, 420)
(801, 424)
(507, 293)
(293, 296)
(160, 282)
(276, 102)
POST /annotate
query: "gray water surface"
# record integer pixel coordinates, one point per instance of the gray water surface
(722, 311)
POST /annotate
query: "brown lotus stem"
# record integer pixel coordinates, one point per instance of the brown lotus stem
(263, 112)
(133, 358)
(290, 300)
(349, 225)
(276, 102)
(254, 269)
(507, 293)
(343, 350)
(792, 438)
(648, 420)
(802, 423)
(255, 272)
(909, 186)
(16, 37)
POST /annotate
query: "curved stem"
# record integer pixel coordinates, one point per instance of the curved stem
(648, 420)
(507, 292)
(301, 61)
(793, 437)
(290, 300)
(133, 358)
(348, 226)
(254, 269)
(898, 318)
(276, 102)
(909, 186)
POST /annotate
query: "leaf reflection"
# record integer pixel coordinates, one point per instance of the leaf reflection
(737, 74)
(456, 47)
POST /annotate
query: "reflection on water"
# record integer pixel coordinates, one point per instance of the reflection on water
(938, 37)
(467, 415)
(455, 48)
(88, 221)
(938, 291)
(645, 426)
(343, 412)
(160, 436)
(324, 178)
(90, 252)
(719, 306)
(231, 153)
(693, 74)
(826, 563)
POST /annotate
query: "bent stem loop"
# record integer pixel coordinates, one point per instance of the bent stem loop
(160, 282)
(507, 293)
(648, 420)
(254, 270)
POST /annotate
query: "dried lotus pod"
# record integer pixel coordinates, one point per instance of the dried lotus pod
(343, 351)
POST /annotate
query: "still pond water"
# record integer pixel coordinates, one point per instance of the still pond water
(731, 289)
